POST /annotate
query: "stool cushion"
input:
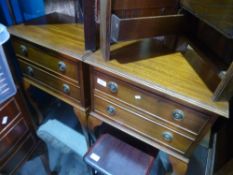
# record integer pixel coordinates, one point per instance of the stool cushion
(66, 148)
(60, 135)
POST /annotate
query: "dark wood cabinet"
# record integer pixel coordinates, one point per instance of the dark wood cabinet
(17, 134)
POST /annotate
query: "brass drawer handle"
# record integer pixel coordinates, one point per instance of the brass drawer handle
(111, 110)
(113, 87)
(178, 115)
(167, 136)
(66, 88)
(30, 71)
(23, 50)
(61, 66)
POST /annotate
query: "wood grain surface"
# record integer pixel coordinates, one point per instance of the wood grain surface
(158, 109)
(139, 124)
(66, 39)
(50, 81)
(150, 64)
(48, 60)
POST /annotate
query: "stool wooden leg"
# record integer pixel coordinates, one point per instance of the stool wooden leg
(82, 115)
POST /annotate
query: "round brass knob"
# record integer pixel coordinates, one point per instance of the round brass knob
(30, 71)
(111, 110)
(61, 66)
(178, 115)
(113, 87)
(66, 88)
(167, 136)
(23, 50)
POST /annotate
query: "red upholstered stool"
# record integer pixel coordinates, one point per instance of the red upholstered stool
(111, 156)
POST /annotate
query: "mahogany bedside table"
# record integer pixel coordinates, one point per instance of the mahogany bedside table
(153, 95)
(49, 51)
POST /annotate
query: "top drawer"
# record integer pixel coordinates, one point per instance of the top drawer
(47, 60)
(169, 111)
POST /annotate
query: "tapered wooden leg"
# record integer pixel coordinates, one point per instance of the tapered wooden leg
(82, 115)
(93, 123)
(26, 87)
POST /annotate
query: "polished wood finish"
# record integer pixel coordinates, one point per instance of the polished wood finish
(157, 106)
(17, 136)
(66, 39)
(206, 52)
(152, 26)
(54, 83)
(169, 75)
(49, 57)
(142, 125)
(162, 81)
(48, 60)
(10, 109)
(124, 158)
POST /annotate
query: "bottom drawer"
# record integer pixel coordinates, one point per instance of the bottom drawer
(141, 125)
(50, 81)
(12, 164)
(12, 138)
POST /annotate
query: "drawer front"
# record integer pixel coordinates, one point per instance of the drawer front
(24, 149)
(8, 113)
(50, 81)
(141, 125)
(47, 60)
(171, 112)
(12, 138)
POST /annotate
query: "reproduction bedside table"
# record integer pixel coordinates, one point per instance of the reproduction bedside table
(49, 52)
(154, 95)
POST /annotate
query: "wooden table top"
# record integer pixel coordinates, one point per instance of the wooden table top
(56, 32)
(145, 62)
(156, 68)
